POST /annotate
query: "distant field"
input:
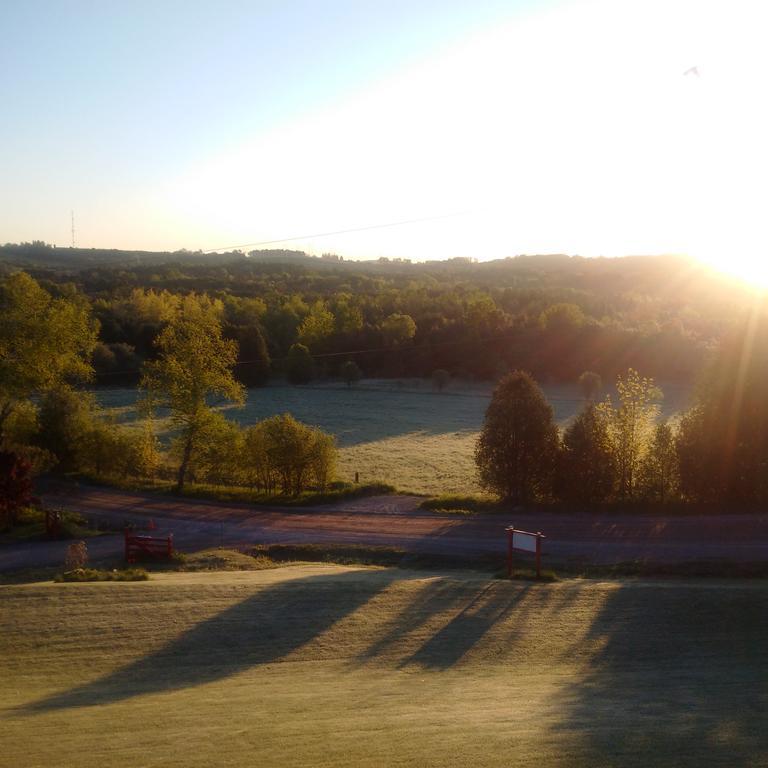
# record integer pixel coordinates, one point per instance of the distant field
(416, 439)
(324, 666)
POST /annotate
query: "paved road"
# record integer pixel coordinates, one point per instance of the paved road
(397, 521)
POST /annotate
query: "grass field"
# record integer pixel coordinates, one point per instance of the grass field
(410, 437)
(331, 666)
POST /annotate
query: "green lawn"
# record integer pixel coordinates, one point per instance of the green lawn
(411, 437)
(331, 666)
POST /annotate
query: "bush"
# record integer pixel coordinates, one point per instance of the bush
(77, 556)
(281, 451)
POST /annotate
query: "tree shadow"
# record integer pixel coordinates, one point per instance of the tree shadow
(680, 679)
(448, 621)
(266, 627)
(468, 627)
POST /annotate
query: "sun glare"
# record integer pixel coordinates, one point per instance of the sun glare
(749, 269)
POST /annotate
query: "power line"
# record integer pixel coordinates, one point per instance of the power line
(337, 232)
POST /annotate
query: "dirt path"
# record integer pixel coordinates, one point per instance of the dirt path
(397, 521)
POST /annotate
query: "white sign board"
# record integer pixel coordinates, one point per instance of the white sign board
(524, 541)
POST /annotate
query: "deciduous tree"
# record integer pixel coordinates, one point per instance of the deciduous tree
(586, 467)
(517, 448)
(193, 369)
(44, 341)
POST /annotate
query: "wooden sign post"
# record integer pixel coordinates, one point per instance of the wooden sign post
(523, 541)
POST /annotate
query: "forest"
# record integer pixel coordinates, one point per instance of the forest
(554, 316)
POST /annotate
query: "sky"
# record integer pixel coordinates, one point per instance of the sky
(494, 128)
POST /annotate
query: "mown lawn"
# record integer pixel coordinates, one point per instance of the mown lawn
(416, 439)
(332, 666)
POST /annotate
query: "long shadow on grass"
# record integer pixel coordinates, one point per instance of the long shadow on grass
(681, 679)
(261, 629)
(447, 621)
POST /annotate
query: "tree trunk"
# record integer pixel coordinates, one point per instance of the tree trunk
(184, 466)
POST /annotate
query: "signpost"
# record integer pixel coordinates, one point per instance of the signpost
(523, 541)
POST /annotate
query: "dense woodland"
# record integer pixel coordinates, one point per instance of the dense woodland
(554, 316)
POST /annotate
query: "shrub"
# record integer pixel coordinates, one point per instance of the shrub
(92, 574)
(283, 451)
(76, 557)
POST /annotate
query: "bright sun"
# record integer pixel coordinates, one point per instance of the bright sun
(745, 261)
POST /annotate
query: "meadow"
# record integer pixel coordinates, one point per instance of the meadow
(398, 432)
(332, 666)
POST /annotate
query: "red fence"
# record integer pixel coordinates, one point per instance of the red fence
(154, 547)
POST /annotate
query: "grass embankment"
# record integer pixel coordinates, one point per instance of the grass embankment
(31, 527)
(335, 493)
(98, 574)
(329, 666)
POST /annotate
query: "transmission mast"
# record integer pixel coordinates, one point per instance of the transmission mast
(72, 217)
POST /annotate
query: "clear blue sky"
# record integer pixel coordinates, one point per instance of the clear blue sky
(198, 124)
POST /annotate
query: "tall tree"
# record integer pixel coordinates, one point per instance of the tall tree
(631, 426)
(659, 469)
(517, 448)
(193, 370)
(44, 341)
(722, 443)
(586, 467)
(299, 366)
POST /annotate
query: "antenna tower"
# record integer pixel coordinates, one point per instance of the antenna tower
(72, 216)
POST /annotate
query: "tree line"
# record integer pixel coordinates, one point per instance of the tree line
(552, 316)
(715, 453)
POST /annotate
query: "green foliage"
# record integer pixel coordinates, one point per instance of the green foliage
(66, 424)
(194, 364)
(216, 456)
(350, 372)
(282, 452)
(659, 469)
(317, 325)
(44, 341)
(348, 318)
(586, 466)
(631, 427)
(562, 318)
(398, 329)
(254, 365)
(517, 448)
(299, 366)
